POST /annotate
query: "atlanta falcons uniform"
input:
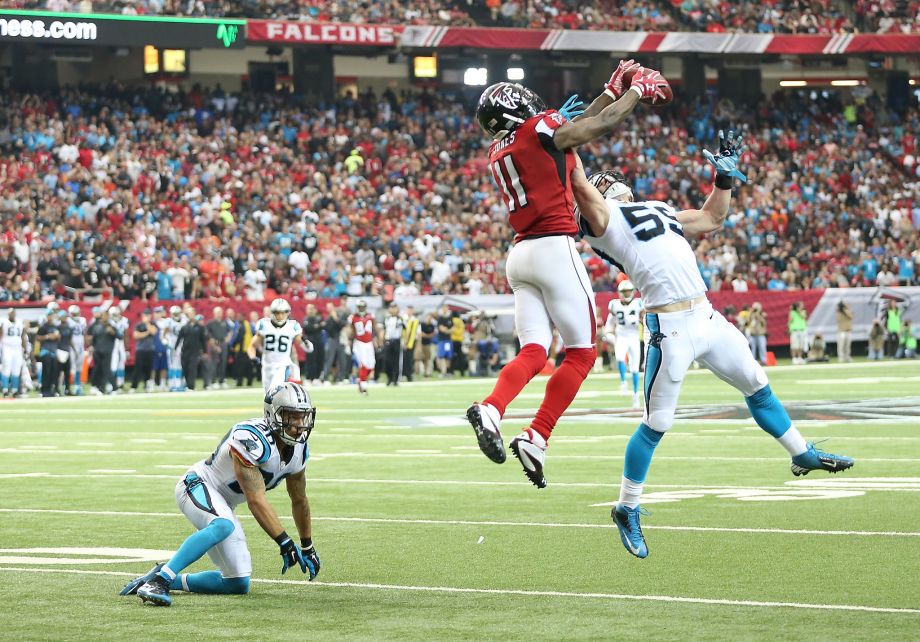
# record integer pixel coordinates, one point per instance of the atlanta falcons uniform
(623, 322)
(210, 489)
(11, 358)
(548, 278)
(277, 350)
(362, 347)
(647, 242)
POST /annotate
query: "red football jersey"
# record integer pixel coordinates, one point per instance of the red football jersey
(534, 178)
(364, 327)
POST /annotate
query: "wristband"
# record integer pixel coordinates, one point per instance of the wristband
(636, 89)
(306, 542)
(279, 539)
(723, 181)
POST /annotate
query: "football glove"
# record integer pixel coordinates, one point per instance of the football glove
(617, 83)
(311, 559)
(730, 149)
(649, 83)
(573, 108)
(308, 345)
(290, 555)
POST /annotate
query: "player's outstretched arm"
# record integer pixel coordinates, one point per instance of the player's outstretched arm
(613, 89)
(300, 511)
(712, 215)
(592, 209)
(253, 486)
(645, 83)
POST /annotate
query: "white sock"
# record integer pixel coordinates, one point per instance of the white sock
(630, 493)
(793, 441)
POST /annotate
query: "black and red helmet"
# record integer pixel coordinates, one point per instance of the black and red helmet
(504, 106)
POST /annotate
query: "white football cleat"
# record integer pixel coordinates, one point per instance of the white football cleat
(485, 420)
(635, 404)
(530, 449)
(623, 386)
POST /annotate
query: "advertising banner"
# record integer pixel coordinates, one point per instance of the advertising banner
(314, 33)
(164, 32)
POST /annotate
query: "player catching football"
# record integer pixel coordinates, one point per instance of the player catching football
(531, 158)
(252, 459)
(648, 241)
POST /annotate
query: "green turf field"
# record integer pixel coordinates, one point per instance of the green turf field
(739, 549)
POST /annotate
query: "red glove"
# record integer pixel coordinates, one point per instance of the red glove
(620, 79)
(650, 85)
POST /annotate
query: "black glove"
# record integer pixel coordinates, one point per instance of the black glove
(290, 554)
(310, 558)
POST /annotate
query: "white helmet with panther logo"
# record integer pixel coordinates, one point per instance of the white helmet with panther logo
(280, 310)
(289, 409)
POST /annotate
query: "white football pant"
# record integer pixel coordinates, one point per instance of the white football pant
(231, 556)
(675, 340)
(551, 288)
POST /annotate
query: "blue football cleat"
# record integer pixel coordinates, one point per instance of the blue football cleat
(627, 521)
(156, 591)
(814, 459)
(132, 586)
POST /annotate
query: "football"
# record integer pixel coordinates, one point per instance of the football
(658, 101)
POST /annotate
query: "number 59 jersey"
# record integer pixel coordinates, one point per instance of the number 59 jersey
(277, 341)
(646, 241)
(534, 178)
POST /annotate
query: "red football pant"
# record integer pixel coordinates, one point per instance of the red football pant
(517, 374)
(562, 387)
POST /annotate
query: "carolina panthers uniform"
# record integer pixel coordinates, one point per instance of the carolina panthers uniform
(119, 353)
(623, 322)
(210, 489)
(277, 350)
(78, 325)
(11, 360)
(170, 333)
(647, 242)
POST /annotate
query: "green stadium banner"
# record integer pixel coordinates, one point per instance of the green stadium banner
(89, 29)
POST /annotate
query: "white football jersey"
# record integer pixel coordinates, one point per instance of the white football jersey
(170, 330)
(253, 442)
(646, 241)
(11, 333)
(78, 325)
(277, 342)
(624, 317)
(120, 324)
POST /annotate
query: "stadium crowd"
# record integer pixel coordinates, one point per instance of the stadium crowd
(139, 193)
(773, 16)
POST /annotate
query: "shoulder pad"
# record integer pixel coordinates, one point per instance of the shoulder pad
(250, 444)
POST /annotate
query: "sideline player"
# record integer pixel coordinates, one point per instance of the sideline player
(363, 330)
(119, 353)
(647, 240)
(250, 460)
(276, 335)
(170, 333)
(622, 330)
(12, 347)
(77, 346)
(531, 158)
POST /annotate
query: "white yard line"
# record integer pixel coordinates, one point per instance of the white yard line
(524, 593)
(464, 522)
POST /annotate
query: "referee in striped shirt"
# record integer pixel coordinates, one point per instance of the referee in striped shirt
(393, 326)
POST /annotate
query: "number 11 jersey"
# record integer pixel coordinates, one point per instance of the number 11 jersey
(277, 341)
(535, 178)
(646, 241)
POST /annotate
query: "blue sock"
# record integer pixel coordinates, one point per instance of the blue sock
(768, 412)
(4, 380)
(622, 366)
(14, 385)
(197, 544)
(211, 582)
(635, 382)
(639, 451)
